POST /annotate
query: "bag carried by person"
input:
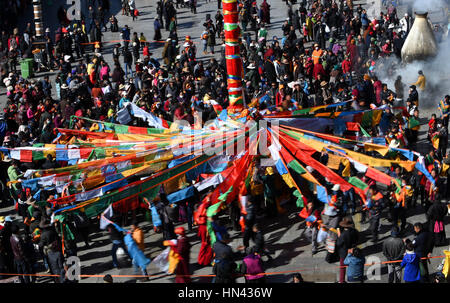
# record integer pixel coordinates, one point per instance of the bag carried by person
(321, 235)
(332, 257)
(438, 227)
(330, 244)
(136, 13)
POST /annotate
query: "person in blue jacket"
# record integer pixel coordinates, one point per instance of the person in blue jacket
(411, 264)
(355, 262)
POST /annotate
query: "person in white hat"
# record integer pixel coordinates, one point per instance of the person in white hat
(405, 23)
(337, 197)
(251, 66)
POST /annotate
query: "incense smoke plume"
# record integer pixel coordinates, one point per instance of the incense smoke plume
(436, 69)
(422, 6)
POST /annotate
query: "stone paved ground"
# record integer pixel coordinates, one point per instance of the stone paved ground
(291, 250)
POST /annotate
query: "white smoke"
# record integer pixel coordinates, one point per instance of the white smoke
(436, 70)
(422, 6)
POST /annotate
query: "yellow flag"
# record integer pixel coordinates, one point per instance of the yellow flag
(446, 263)
(444, 169)
(93, 172)
(408, 165)
(289, 181)
(346, 171)
(134, 171)
(93, 182)
(435, 141)
(382, 150)
(175, 184)
(376, 117)
(49, 152)
(333, 161)
(310, 178)
(94, 127)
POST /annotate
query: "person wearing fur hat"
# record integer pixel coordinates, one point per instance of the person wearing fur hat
(347, 238)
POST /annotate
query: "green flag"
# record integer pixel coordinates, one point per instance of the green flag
(296, 166)
(66, 230)
(413, 122)
(301, 111)
(366, 120)
(213, 209)
(365, 133)
(299, 196)
(223, 197)
(355, 181)
(212, 234)
(121, 129)
(399, 188)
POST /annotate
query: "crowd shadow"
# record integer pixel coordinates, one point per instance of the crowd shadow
(188, 24)
(92, 255)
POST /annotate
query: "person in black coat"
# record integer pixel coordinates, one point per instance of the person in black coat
(250, 219)
(393, 250)
(96, 33)
(224, 265)
(127, 60)
(5, 235)
(436, 214)
(413, 95)
(347, 238)
(50, 243)
(423, 247)
(260, 242)
(269, 70)
(319, 34)
(116, 238)
(167, 215)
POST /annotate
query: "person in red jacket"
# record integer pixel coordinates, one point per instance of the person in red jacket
(378, 87)
(146, 52)
(179, 113)
(279, 97)
(183, 248)
(313, 221)
(309, 66)
(352, 51)
(205, 254)
(346, 66)
(319, 70)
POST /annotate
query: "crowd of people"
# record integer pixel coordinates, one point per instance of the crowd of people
(327, 52)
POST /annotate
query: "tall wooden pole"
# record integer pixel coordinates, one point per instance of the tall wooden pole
(38, 23)
(233, 55)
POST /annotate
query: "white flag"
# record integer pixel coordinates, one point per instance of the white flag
(162, 260)
(108, 213)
